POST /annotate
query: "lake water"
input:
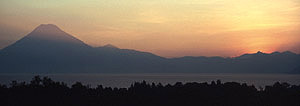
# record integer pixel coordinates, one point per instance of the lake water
(125, 80)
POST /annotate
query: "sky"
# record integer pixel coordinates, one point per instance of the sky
(169, 28)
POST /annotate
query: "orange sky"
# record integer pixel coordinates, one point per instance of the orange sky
(169, 28)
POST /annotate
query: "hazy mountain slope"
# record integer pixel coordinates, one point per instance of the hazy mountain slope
(48, 49)
(258, 62)
(45, 49)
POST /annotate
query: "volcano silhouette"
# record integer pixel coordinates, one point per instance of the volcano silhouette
(48, 49)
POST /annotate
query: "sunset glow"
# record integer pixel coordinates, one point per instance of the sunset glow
(169, 28)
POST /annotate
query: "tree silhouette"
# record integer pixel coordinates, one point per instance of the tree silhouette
(46, 92)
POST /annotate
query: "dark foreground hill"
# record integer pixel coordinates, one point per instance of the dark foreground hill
(46, 92)
(48, 49)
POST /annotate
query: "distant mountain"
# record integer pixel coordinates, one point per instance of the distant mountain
(259, 62)
(296, 70)
(46, 40)
(48, 49)
(109, 46)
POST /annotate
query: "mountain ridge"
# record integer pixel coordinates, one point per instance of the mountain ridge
(48, 49)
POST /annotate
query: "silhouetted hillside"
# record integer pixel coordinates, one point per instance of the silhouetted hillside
(46, 92)
(48, 49)
(296, 70)
(259, 62)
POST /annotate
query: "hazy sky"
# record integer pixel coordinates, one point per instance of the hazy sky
(168, 28)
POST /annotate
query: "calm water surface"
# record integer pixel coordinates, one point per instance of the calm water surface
(125, 80)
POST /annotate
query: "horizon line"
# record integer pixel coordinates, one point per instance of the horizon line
(169, 57)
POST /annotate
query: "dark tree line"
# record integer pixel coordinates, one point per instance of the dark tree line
(46, 92)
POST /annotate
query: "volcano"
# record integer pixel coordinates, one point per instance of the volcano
(48, 49)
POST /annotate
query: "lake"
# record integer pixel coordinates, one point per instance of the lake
(125, 80)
